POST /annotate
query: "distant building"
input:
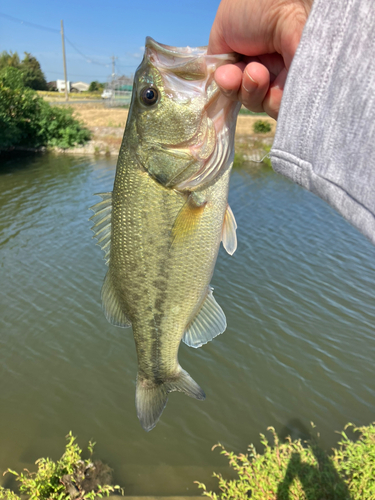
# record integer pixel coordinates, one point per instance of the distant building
(120, 83)
(79, 87)
(52, 86)
(60, 84)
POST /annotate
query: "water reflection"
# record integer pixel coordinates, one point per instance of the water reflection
(300, 343)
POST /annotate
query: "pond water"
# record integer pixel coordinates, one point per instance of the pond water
(300, 345)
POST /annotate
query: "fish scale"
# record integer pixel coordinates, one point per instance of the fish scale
(164, 240)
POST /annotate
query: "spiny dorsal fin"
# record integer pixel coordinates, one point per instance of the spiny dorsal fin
(228, 235)
(208, 323)
(102, 220)
(111, 305)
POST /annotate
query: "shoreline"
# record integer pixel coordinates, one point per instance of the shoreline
(107, 127)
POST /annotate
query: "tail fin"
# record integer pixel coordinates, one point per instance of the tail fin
(150, 399)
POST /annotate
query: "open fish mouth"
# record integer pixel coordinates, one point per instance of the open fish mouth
(188, 73)
(187, 62)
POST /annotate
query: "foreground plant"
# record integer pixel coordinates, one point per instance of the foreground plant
(302, 471)
(68, 478)
(26, 120)
(262, 127)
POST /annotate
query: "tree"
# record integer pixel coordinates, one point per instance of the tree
(94, 86)
(33, 75)
(11, 59)
(27, 120)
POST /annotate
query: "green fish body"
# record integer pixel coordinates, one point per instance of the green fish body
(162, 225)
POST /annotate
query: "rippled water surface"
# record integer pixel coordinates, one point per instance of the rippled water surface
(300, 343)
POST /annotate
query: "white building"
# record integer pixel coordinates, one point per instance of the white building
(79, 86)
(60, 85)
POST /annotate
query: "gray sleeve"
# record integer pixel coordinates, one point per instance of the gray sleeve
(325, 136)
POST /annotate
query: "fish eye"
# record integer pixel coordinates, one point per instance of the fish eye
(149, 96)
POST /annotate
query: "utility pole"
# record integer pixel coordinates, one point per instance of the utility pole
(113, 67)
(64, 59)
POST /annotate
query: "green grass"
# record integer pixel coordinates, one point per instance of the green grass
(86, 95)
(262, 127)
(245, 111)
(67, 478)
(297, 470)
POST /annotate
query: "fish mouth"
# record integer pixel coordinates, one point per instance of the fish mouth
(170, 51)
(191, 70)
(190, 63)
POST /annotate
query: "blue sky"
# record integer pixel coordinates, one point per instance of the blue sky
(99, 30)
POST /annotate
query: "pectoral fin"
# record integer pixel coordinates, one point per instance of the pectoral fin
(208, 323)
(188, 218)
(228, 235)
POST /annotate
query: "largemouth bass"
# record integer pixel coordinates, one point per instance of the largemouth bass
(162, 225)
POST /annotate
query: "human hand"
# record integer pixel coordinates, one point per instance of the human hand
(266, 34)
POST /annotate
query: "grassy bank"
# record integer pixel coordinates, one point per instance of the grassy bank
(296, 470)
(289, 470)
(107, 127)
(73, 96)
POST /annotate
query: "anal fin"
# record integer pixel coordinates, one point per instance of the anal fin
(113, 310)
(208, 323)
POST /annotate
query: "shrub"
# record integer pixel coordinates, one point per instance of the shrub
(33, 75)
(27, 120)
(261, 127)
(355, 462)
(302, 471)
(69, 477)
(95, 86)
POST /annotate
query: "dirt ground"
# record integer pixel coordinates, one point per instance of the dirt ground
(107, 125)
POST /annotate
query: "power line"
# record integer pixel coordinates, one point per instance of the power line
(75, 74)
(52, 30)
(88, 59)
(26, 23)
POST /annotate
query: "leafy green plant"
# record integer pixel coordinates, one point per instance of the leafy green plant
(301, 471)
(60, 128)
(27, 120)
(355, 461)
(261, 127)
(95, 86)
(266, 159)
(68, 478)
(32, 73)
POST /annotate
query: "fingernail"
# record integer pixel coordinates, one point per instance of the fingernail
(253, 84)
(226, 92)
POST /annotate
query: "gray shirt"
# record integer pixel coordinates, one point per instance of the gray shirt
(325, 136)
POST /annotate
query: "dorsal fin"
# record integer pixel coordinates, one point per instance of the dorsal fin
(102, 220)
(228, 235)
(207, 324)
